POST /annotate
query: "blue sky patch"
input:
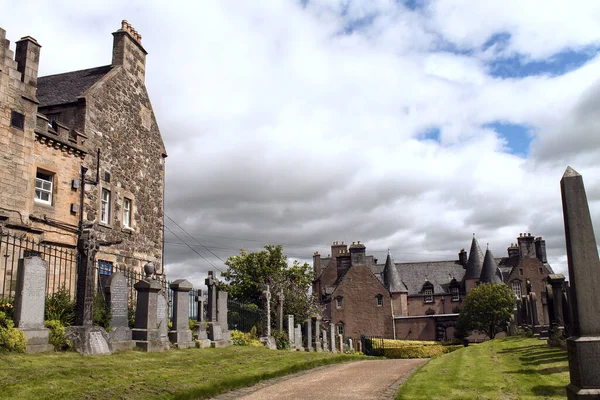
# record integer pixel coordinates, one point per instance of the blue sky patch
(518, 137)
(500, 40)
(518, 66)
(430, 134)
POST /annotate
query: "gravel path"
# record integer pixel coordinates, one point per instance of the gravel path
(373, 379)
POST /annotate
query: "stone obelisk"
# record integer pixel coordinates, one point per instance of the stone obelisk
(584, 276)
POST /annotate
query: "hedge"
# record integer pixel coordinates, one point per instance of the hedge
(419, 351)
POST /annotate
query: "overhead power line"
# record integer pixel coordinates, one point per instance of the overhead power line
(191, 248)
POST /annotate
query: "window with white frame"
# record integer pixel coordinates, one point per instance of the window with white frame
(455, 292)
(340, 328)
(126, 212)
(428, 295)
(379, 300)
(339, 302)
(43, 187)
(105, 206)
(516, 288)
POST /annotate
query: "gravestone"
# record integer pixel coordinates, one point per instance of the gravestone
(162, 319)
(180, 335)
(145, 331)
(318, 334)
(557, 282)
(309, 337)
(116, 293)
(583, 347)
(325, 342)
(350, 345)
(535, 321)
(332, 337)
(290, 328)
(341, 340)
(203, 340)
(30, 301)
(298, 338)
(221, 328)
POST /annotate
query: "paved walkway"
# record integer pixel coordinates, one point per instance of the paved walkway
(372, 379)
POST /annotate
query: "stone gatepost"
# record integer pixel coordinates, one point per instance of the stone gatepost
(318, 334)
(583, 346)
(332, 337)
(180, 335)
(145, 330)
(116, 292)
(30, 302)
(309, 336)
(557, 282)
(290, 328)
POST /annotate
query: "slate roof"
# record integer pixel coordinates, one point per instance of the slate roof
(391, 276)
(490, 271)
(475, 261)
(68, 87)
(439, 273)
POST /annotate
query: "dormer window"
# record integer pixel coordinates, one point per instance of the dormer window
(379, 300)
(455, 292)
(428, 292)
(339, 302)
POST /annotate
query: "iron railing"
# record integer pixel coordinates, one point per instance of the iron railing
(242, 317)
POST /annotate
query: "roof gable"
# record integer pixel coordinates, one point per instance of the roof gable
(68, 87)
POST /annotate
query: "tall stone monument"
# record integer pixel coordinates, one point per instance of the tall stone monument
(268, 340)
(116, 294)
(30, 301)
(280, 299)
(309, 336)
(145, 330)
(218, 336)
(583, 346)
(203, 340)
(180, 335)
(290, 329)
(317, 344)
(85, 337)
(162, 318)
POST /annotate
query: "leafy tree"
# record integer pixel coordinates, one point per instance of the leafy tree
(487, 309)
(249, 272)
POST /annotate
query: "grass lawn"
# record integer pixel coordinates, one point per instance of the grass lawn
(509, 368)
(191, 373)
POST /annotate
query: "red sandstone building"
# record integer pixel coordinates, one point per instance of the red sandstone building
(419, 300)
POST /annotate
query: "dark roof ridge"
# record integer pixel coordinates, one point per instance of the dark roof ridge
(78, 70)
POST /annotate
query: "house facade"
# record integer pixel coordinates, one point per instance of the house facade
(420, 300)
(81, 150)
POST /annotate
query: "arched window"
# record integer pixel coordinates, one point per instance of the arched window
(379, 300)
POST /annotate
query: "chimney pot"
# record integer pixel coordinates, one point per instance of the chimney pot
(124, 25)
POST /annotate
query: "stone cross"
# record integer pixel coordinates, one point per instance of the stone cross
(267, 293)
(87, 247)
(583, 347)
(280, 298)
(212, 297)
(200, 300)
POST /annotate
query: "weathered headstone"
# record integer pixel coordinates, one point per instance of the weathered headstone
(180, 335)
(290, 327)
(145, 331)
(309, 336)
(162, 318)
(583, 346)
(557, 282)
(30, 303)
(535, 320)
(341, 339)
(332, 337)
(222, 324)
(116, 293)
(350, 345)
(325, 342)
(298, 338)
(203, 340)
(318, 334)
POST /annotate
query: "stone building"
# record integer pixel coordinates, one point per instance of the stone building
(419, 300)
(98, 121)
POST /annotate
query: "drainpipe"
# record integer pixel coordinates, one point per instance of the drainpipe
(393, 320)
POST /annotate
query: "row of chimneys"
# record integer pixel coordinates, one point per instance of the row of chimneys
(526, 247)
(126, 26)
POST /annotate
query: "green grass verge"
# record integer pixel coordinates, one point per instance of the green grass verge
(181, 374)
(509, 368)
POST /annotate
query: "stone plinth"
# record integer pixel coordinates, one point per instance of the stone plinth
(180, 335)
(145, 332)
(30, 301)
(583, 346)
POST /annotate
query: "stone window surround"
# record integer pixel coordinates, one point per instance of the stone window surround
(117, 195)
(127, 203)
(379, 298)
(517, 284)
(17, 120)
(428, 295)
(339, 302)
(109, 216)
(340, 328)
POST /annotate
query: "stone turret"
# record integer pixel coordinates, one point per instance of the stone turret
(490, 271)
(391, 277)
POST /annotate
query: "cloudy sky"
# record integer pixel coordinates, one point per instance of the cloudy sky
(407, 125)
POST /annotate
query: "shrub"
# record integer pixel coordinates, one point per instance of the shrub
(131, 316)
(8, 307)
(419, 351)
(430, 311)
(101, 313)
(11, 338)
(60, 307)
(281, 339)
(191, 324)
(58, 338)
(245, 339)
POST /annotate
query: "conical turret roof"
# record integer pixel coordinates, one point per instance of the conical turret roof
(391, 276)
(475, 261)
(490, 271)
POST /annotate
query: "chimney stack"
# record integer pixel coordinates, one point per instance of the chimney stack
(526, 246)
(513, 250)
(128, 50)
(462, 258)
(540, 249)
(27, 56)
